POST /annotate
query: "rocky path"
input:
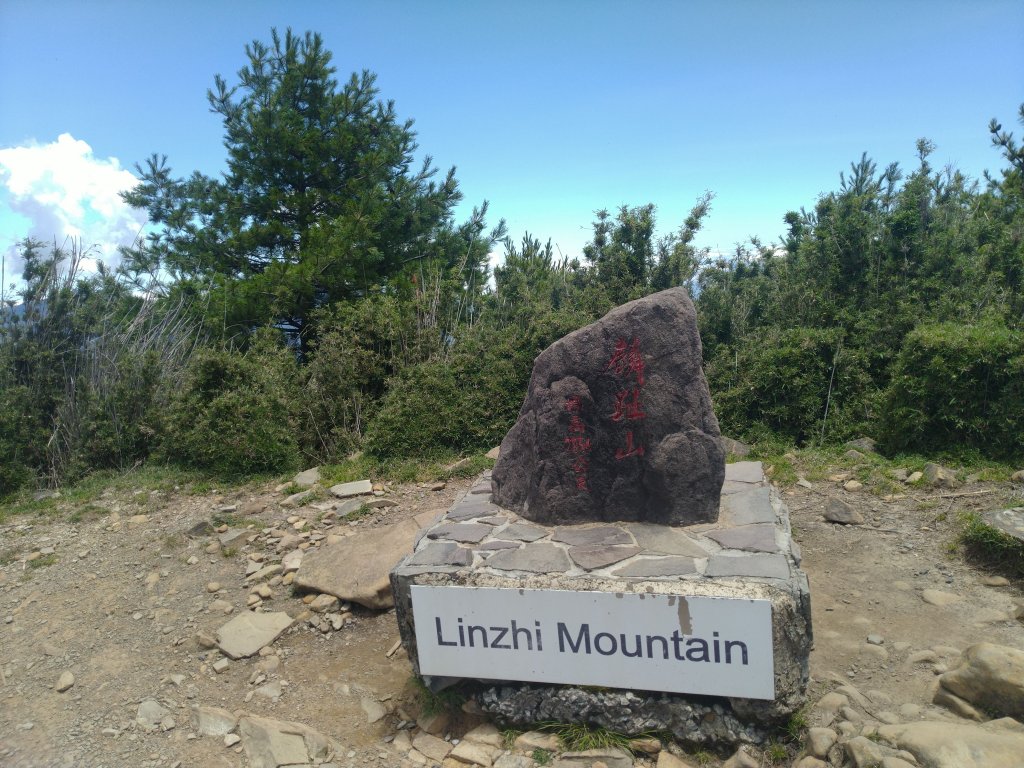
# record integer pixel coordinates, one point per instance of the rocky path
(110, 613)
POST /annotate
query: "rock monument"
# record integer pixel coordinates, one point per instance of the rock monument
(617, 424)
(613, 569)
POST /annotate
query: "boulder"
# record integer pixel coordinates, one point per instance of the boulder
(939, 476)
(997, 744)
(863, 444)
(1009, 521)
(991, 677)
(617, 424)
(308, 478)
(357, 568)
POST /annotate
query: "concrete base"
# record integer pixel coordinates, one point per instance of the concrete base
(747, 554)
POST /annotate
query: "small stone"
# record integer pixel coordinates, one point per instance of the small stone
(875, 639)
(742, 759)
(245, 634)
(996, 581)
(939, 476)
(205, 640)
(213, 586)
(324, 603)
(432, 747)
(221, 665)
(374, 710)
(213, 548)
(853, 485)
(820, 741)
(914, 477)
(65, 681)
(231, 739)
(357, 488)
(532, 740)
(221, 606)
(839, 511)
(150, 714)
(939, 598)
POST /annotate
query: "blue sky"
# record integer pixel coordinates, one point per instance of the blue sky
(550, 110)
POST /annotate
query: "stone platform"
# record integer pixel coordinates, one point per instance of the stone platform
(745, 560)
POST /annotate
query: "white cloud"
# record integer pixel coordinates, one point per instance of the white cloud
(59, 190)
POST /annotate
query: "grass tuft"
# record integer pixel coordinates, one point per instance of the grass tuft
(578, 737)
(990, 546)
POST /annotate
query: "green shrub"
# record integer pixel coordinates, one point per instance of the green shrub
(780, 384)
(990, 546)
(237, 414)
(957, 386)
(465, 401)
(15, 439)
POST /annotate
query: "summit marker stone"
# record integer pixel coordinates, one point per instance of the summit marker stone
(617, 424)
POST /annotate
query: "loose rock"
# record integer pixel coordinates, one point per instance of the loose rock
(65, 682)
(838, 511)
(245, 634)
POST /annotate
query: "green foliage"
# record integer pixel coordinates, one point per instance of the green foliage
(541, 756)
(958, 384)
(85, 368)
(322, 201)
(782, 383)
(237, 414)
(578, 737)
(991, 546)
(431, 703)
(791, 332)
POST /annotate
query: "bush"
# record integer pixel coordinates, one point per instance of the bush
(782, 382)
(467, 401)
(16, 438)
(957, 386)
(237, 414)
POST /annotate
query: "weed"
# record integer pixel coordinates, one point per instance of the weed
(775, 753)
(87, 512)
(433, 703)
(703, 758)
(990, 545)
(578, 737)
(232, 520)
(229, 552)
(541, 756)
(172, 541)
(797, 724)
(8, 555)
(359, 514)
(509, 736)
(42, 562)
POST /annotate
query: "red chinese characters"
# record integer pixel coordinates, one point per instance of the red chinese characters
(627, 361)
(577, 444)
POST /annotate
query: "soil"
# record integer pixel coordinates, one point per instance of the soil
(119, 603)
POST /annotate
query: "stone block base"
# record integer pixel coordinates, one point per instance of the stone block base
(591, 589)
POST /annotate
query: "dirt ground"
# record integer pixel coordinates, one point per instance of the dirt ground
(118, 590)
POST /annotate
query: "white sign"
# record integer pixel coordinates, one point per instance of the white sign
(681, 644)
